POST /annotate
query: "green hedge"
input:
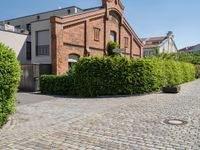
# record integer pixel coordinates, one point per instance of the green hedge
(198, 70)
(118, 75)
(193, 58)
(9, 79)
(55, 85)
(112, 76)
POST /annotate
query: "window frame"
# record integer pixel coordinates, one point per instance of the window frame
(28, 51)
(97, 34)
(42, 52)
(126, 42)
(114, 34)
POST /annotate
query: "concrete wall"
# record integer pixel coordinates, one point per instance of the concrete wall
(17, 42)
(41, 26)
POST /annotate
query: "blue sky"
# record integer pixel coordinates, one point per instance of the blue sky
(147, 17)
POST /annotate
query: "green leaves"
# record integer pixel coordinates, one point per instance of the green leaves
(10, 73)
(98, 76)
(111, 46)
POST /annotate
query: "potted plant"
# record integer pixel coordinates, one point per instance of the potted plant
(172, 78)
(171, 89)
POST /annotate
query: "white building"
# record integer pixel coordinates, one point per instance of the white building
(157, 45)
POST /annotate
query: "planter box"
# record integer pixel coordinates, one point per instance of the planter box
(171, 89)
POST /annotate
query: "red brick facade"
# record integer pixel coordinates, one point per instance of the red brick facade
(76, 34)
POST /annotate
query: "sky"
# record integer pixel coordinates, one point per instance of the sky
(148, 18)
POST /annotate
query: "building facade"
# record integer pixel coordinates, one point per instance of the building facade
(59, 38)
(158, 45)
(190, 49)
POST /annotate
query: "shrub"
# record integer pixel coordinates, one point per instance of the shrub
(183, 57)
(55, 85)
(198, 70)
(118, 75)
(9, 80)
(111, 46)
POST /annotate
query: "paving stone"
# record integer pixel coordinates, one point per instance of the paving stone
(123, 123)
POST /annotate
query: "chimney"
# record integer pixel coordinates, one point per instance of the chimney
(170, 34)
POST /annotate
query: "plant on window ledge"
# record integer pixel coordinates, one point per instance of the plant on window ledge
(111, 46)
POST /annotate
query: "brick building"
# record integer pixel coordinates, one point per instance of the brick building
(59, 38)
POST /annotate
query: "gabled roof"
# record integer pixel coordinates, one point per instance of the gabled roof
(152, 39)
(190, 48)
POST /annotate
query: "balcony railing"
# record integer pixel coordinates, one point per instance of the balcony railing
(42, 50)
(12, 29)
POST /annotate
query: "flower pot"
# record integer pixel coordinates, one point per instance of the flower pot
(171, 89)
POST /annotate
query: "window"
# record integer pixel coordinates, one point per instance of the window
(126, 42)
(69, 11)
(28, 50)
(28, 28)
(146, 53)
(149, 42)
(156, 42)
(151, 53)
(96, 34)
(42, 42)
(38, 17)
(113, 36)
(18, 27)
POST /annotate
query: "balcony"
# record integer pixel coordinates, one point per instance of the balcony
(42, 50)
(11, 28)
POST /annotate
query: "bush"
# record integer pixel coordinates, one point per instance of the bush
(118, 75)
(55, 85)
(111, 46)
(9, 80)
(198, 70)
(183, 57)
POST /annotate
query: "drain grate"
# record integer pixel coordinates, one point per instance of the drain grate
(175, 122)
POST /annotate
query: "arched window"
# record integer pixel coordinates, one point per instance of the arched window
(113, 36)
(72, 59)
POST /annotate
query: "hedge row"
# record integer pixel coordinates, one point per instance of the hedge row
(198, 70)
(9, 80)
(119, 75)
(55, 85)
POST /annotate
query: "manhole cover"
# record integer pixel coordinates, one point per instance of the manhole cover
(175, 122)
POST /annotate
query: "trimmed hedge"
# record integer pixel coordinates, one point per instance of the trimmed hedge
(112, 76)
(198, 70)
(119, 75)
(10, 72)
(55, 85)
(193, 58)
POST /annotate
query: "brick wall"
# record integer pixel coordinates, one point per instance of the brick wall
(75, 35)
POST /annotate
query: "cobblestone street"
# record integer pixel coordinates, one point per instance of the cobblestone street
(124, 123)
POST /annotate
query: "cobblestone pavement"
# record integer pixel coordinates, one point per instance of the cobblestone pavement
(107, 123)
